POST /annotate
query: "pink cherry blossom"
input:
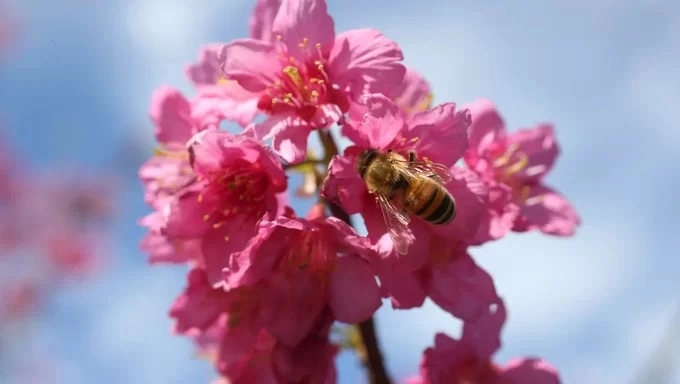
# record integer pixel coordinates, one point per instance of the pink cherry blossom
(238, 182)
(252, 325)
(217, 98)
(438, 135)
(262, 19)
(326, 258)
(412, 95)
(469, 359)
(307, 77)
(514, 166)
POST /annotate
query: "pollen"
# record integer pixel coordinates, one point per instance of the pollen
(206, 217)
(227, 238)
(200, 198)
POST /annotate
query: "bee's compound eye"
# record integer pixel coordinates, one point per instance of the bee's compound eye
(389, 151)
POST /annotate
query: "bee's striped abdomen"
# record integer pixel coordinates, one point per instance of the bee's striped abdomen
(434, 205)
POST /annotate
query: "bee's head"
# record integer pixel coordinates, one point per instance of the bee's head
(364, 160)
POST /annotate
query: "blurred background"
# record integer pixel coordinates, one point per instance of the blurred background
(75, 83)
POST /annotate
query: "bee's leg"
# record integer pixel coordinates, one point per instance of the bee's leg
(411, 156)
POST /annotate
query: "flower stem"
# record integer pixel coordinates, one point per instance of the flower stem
(374, 359)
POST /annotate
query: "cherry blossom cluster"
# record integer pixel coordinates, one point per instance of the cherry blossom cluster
(266, 284)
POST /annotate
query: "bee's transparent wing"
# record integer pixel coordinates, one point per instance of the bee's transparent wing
(396, 222)
(436, 171)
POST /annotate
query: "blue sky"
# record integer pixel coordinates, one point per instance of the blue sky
(77, 88)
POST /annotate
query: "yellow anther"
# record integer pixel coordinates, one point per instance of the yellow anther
(206, 217)
(519, 165)
(217, 225)
(318, 45)
(425, 103)
(200, 198)
(294, 74)
(505, 158)
(227, 238)
(415, 139)
(315, 93)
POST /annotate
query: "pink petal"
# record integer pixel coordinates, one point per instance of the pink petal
(200, 305)
(403, 286)
(484, 335)
(219, 244)
(499, 217)
(252, 63)
(184, 217)
(353, 291)
(549, 212)
(413, 95)
(366, 61)
(162, 250)
(229, 101)
(262, 19)
(298, 20)
(290, 140)
(207, 151)
(206, 71)
(382, 123)
(441, 132)
(171, 113)
(237, 349)
(462, 288)
(487, 125)
(258, 259)
(295, 304)
(534, 371)
(540, 146)
(343, 184)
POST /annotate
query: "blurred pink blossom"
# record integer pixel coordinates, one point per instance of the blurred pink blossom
(513, 166)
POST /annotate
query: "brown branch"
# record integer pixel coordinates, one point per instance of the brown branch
(374, 360)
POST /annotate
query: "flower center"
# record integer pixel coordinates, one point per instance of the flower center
(303, 84)
(511, 166)
(311, 253)
(238, 190)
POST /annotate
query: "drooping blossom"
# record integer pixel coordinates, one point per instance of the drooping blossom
(468, 360)
(237, 182)
(282, 292)
(450, 278)
(513, 166)
(307, 77)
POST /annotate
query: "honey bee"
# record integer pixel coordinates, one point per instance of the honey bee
(404, 187)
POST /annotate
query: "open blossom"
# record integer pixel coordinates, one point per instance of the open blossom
(438, 135)
(326, 249)
(238, 180)
(468, 360)
(307, 77)
(282, 292)
(513, 166)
